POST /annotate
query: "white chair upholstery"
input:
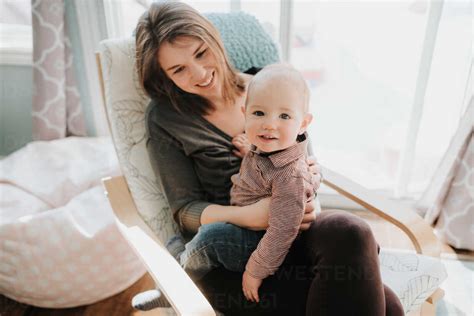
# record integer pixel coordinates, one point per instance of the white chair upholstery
(126, 105)
(413, 277)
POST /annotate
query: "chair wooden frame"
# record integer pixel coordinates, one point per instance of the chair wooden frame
(184, 296)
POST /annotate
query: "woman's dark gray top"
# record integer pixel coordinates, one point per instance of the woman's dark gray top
(192, 160)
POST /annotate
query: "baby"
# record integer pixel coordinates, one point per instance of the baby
(276, 113)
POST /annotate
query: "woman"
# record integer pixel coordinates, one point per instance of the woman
(194, 122)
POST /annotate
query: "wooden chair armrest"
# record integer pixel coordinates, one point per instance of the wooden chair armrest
(436, 296)
(183, 295)
(418, 230)
(123, 205)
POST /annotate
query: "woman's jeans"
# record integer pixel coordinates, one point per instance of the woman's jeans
(331, 269)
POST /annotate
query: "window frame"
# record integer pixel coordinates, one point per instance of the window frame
(408, 152)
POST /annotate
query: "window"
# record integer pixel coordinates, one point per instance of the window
(15, 32)
(210, 6)
(267, 12)
(448, 90)
(122, 16)
(362, 61)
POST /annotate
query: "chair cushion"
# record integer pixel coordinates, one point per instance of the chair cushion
(126, 104)
(412, 277)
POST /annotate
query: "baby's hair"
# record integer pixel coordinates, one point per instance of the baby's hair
(282, 71)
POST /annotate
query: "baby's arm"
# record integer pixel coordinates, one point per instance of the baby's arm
(286, 213)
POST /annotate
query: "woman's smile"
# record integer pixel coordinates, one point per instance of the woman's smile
(209, 83)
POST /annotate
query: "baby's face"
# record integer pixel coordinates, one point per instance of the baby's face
(275, 115)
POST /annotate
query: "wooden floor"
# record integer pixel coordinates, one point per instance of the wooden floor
(385, 233)
(113, 306)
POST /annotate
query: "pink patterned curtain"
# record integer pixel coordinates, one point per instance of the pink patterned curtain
(57, 110)
(448, 202)
(455, 223)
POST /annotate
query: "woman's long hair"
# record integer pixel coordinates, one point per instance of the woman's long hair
(165, 22)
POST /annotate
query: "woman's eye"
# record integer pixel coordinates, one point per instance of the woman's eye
(285, 116)
(201, 53)
(179, 69)
(258, 113)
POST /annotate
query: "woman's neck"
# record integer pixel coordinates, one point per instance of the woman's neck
(221, 104)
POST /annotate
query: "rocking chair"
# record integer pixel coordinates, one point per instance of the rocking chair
(143, 214)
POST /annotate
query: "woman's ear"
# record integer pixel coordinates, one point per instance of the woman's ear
(305, 123)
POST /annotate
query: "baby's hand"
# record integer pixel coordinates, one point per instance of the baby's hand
(242, 144)
(250, 287)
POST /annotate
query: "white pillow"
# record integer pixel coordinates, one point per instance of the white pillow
(15, 203)
(68, 255)
(412, 277)
(56, 171)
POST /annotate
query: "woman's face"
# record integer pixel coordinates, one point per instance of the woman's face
(191, 65)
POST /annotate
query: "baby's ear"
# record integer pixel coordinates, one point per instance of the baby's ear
(242, 108)
(305, 123)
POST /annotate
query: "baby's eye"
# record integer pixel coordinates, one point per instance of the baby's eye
(178, 70)
(258, 113)
(201, 53)
(285, 116)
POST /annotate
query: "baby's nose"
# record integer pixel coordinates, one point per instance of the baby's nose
(269, 124)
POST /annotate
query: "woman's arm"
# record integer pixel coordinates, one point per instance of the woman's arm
(176, 175)
(185, 194)
(254, 216)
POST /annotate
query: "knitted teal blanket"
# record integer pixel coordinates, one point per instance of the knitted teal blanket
(246, 42)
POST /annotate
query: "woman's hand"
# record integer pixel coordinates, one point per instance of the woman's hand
(315, 170)
(241, 144)
(309, 215)
(310, 207)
